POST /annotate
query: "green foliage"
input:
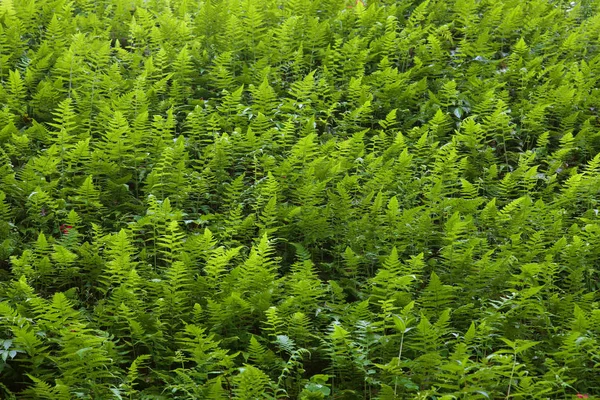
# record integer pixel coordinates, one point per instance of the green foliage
(299, 199)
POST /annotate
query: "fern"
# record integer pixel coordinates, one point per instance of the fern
(298, 199)
(252, 383)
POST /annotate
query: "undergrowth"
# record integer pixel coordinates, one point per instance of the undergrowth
(303, 199)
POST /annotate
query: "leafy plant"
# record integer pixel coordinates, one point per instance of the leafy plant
(299, 199)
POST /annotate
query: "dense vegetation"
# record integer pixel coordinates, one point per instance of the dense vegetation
(269, 199)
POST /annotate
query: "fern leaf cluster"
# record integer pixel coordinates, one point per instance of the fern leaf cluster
(299, 199)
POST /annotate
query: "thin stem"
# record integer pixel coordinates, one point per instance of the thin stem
(399, 355)
(512, 374)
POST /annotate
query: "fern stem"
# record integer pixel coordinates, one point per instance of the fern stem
(512, 373)
(399, 355)
(70, 77)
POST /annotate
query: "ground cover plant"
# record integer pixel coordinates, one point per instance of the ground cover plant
(272, 199)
